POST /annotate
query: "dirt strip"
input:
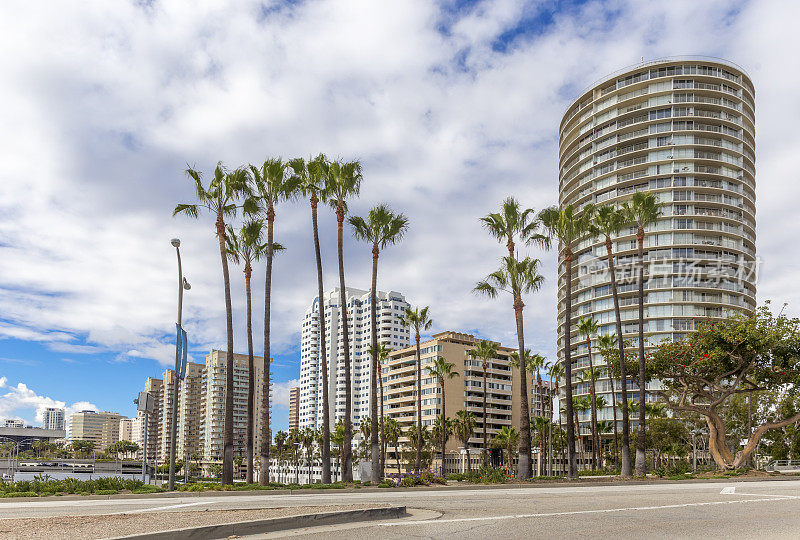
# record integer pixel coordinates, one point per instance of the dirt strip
(107, 526)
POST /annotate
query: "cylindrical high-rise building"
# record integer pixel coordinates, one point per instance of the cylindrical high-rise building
(683, 129)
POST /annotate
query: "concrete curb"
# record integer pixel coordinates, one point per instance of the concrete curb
(244, 528)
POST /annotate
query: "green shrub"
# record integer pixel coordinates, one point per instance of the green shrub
(106, 492)
(386, 484)
(21, 494)
(148, 489)
(293, 486)
(675, 469)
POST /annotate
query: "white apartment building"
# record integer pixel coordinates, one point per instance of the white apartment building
(53, 418)
(390, 306)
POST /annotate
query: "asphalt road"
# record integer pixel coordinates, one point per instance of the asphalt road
(763, 509)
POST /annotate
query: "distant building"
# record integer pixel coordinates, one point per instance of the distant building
(101, 428)
(294, 403)
(25, 436)
(126, 429)
(10, 423)
(53, 418)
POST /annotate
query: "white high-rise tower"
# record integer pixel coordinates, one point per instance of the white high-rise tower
(391, 305)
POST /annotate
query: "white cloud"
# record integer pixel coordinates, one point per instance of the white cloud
(280, 393)
(18, 401)
(111, 106)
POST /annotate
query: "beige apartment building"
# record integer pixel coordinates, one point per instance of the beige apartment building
(101, 428)
(463, 392)
(294, 404)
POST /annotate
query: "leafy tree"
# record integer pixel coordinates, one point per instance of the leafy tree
(220, 200)
(381, 228)
(507, 438)
(723, 358)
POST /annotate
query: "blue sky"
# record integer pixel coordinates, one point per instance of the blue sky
(450, 106)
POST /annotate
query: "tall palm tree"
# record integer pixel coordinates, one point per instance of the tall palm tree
(273, 183)
(393, 431)
(540, 425)
(381, 353)
(580, 404)
(556, 372)
(568, 226)
(337, 438)
(419, 320)
(464, 427)
(517, 277)
(220, 199)
(441, 430)
(513, 221)
(342, 182)
(281, 438)
(381, 228)
(608, 221)
(606, 343)
(485, 351)
(642, 210)
(442, 370)
(308, 436)
(247, 247)
(508, 439)
(588, 327)
(312, 175)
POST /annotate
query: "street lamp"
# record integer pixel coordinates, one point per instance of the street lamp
(182, 284)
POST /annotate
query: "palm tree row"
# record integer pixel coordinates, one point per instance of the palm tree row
(257, 192)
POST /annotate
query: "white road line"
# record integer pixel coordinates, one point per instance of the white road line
(728, 490)
(159, 508)
(577, 512)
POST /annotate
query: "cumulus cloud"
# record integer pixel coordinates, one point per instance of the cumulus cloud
(19, 400)
(449, 108)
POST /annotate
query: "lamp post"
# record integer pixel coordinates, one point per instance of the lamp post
(182, 284)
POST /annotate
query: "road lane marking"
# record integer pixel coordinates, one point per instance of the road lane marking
(578, 512)
(728, 490)
(159, 508)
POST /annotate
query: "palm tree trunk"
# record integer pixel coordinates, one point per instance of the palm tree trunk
(592, 391)
(227, 446)
(444, 425)
(573, 465)
(418, 463)
(373, 383)
(263, 478)
(625, 469)
(485, 419)
(325, 451)
(397, 455)
(383, 427)
(614, 411)
(641, 466)
(524, 462)
(347, 444)
(251, 384)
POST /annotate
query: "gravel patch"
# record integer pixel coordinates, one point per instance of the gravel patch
(108, 526)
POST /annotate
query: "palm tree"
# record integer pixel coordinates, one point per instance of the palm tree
(393, 431)
(442, 370)
(580, 405)
(605, 427)
(508, 439)
(642, 210)
(381, 353)
(505, 225)
(418, 320)
(556, 371)
(608, 221)
(281, 438)
(273, 184)
(312, 176)
(342, 182)
(247, 247)
(441, 430)
(588, 327)
(220, 200)
(540, 425)
(337, 438)
(568, 226)
(364, 428)
(517, 277)
(606, 344)
(486, 351)
(308, 436)
(464, 427)
(382, 228)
